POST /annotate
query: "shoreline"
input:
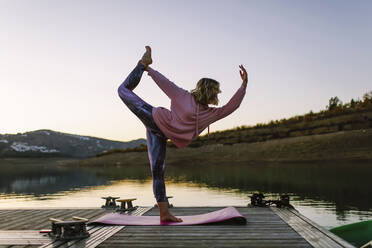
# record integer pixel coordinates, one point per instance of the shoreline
(355, 145)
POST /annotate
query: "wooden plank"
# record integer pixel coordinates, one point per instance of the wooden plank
(98, 234)
(206, 229)
(314, 238)
(10, 211)
(310, 231)
(35, 218)
(43, 221)
(205, 236)
(207, 243)
(19, 246)
(20, 219)
(201, 210)
(3, 213)
(107, 232)
(29, 221)
(104, 235)
(323, 230)
(264, 229)
(7, 222)
(21, 237)
(39, 219)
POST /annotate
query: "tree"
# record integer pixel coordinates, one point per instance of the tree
(334, 102)
(367, 96)
(352, 103)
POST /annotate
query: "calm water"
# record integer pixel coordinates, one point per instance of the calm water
(330, 194)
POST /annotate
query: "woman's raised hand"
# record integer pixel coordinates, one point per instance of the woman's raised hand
(243, 75)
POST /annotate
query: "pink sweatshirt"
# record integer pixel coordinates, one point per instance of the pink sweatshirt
(187, 118)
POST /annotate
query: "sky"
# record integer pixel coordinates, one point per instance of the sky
(61, 62)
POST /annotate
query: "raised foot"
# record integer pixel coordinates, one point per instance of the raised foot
(170, 218)
(146, 58)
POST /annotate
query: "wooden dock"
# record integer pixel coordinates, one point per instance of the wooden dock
(266, 227)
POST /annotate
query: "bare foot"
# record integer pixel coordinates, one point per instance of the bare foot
(170, 218)
(146, 58)
(165, 215)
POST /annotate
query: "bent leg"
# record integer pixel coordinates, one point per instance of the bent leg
(139, 107)
(156, 147)
(134, 77)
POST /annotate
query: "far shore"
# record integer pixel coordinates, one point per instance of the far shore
(339, 146)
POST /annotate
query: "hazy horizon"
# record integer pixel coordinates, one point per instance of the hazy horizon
(62, 61)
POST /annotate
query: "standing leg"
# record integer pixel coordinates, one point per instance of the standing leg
(156, 146)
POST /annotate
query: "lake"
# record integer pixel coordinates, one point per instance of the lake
(329, 193)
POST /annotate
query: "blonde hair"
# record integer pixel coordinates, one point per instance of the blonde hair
(206, 91)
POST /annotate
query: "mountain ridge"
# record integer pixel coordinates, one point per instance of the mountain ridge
(49, 143)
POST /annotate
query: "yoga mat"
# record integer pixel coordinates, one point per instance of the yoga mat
(222, 215)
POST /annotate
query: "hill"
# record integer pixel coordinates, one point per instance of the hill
(355, 145)
(48, 143)
(355, 115)
(338, 116)
(341, 132)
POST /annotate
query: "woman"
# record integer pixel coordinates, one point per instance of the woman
(188, 117)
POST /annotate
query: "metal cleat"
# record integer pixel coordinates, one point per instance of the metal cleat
(68, 230)
(284, 199)
(257, 200)
(110, 202)
(126, 205)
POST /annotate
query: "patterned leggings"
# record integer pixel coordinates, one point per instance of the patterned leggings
(156, 140)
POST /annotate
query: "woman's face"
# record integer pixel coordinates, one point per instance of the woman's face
(217, 91)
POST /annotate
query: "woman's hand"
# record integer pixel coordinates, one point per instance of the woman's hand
(243, 75)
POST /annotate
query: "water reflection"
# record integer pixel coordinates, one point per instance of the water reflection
(40, 177)
(343, 184)
(330, 193)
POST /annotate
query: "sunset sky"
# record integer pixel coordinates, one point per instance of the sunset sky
(61, 62)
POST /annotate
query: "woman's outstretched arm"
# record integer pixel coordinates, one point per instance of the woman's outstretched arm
(168, 87)
(236, 99)
(232, 105)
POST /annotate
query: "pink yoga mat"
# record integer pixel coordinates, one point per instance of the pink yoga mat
(222, 215)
